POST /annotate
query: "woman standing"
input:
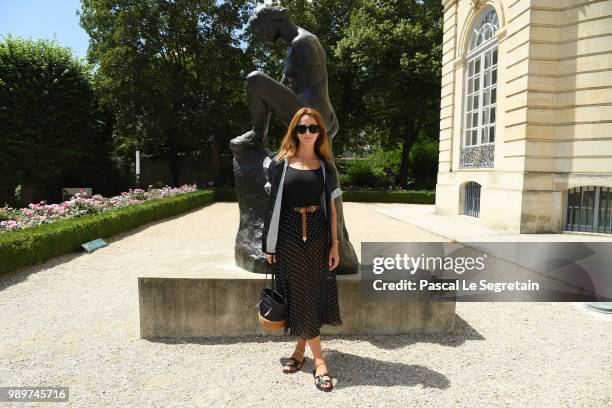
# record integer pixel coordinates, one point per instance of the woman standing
(300, 237)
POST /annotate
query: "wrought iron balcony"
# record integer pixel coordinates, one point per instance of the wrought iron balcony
(477, 156)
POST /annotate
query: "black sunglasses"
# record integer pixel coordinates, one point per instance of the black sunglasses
(301, 129)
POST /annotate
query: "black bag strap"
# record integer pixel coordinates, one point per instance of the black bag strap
(266, 280)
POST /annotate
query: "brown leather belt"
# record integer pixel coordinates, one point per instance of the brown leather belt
(303, 211)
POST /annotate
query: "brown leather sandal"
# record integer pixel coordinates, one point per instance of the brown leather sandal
(319, 380)
(293, 364)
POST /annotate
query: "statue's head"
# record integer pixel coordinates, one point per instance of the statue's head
(267, 21)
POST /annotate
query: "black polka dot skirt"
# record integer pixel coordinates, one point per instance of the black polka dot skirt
(303, 275)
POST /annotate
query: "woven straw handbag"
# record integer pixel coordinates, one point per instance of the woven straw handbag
(272, 307)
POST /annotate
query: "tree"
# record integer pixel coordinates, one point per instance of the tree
(171, 72)
(397, 46)
(50, 128)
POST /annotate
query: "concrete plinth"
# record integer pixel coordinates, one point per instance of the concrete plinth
(208, 296)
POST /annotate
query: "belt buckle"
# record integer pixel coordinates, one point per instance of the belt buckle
(312, 208)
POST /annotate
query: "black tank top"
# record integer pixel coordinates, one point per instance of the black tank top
(302, 188)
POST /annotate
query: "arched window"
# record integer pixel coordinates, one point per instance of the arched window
(471, 199)
(481, 87)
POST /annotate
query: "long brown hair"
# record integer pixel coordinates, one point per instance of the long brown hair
(290, 142)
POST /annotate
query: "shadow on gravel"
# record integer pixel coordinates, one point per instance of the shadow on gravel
(463, 331)
(355, 371)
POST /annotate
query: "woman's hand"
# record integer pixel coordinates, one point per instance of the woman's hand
(334, 258)
(271, 258)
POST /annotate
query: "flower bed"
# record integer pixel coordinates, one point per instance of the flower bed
(30, 246)
(79, 205)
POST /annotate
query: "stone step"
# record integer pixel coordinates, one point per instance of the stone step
(207, 295)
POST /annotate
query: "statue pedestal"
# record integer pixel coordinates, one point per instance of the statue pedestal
(206, 295)
(252, 201)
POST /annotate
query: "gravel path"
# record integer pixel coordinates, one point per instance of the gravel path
(73, 321)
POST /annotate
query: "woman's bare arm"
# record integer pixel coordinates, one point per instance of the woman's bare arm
(334, 232)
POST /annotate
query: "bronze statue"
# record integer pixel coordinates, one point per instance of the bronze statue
(303, 84)
(304, 81)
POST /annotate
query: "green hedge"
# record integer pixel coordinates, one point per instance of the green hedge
(31, 246)
(406, 197)
(225, 194)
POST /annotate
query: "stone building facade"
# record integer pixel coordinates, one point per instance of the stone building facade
(526, 114)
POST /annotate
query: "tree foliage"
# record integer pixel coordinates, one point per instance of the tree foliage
(172, 72)
(50, 127)
(397, 47)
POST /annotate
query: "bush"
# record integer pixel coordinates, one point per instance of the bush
(51, 130)
(5, 213)
(405, 197)
(423, 161)
(81, 205)
(377, 171)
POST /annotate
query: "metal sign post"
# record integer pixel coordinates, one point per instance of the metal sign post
(138, 168)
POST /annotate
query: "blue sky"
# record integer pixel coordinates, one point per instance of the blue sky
(45, 19)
